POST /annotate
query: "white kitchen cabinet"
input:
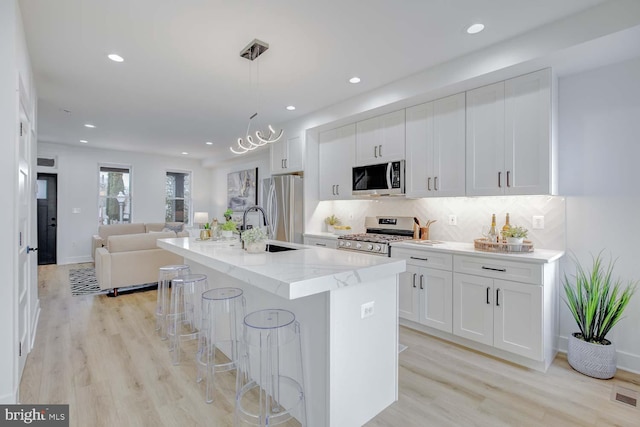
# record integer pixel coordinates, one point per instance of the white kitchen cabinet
(336, 159)
(426, 293)
(509, 141)
(323, 242)
(435, 146)
(287, 156)
(381, 139)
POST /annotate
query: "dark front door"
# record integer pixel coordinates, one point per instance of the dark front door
(47, 217)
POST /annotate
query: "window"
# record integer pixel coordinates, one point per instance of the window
(114, 198)
(178, 202)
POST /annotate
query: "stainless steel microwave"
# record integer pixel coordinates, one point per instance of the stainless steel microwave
(378, 180)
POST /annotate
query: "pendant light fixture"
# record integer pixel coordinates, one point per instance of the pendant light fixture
(246, 144)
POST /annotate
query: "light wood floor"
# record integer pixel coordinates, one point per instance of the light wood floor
(102, 356)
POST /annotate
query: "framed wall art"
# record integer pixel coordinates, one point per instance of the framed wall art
(242, 191)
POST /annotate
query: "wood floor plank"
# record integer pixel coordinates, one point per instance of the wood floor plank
(103, 357)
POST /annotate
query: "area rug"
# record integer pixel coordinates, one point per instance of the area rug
(83, 282)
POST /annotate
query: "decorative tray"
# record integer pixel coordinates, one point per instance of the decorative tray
(487, 246)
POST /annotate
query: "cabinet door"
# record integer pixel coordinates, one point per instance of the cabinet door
(294, 159)
(336, 160)
(436, 299)
(449, 146)
(473, 308)
(518, 318)
(528, 133)
(380, 139)
(419, 147)
(485, 141)
(278, 153)
(408, 299)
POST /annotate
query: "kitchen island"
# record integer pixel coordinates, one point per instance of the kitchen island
(350, 359)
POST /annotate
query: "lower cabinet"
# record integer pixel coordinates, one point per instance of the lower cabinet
(503, 314)
(426, 293)
(323, 242)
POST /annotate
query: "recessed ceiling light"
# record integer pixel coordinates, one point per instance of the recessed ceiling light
(291, 107)
(354, 80)
(209, 143)
(185, 153)
(84, 141)
(115, 57)
(89, 125)
(475, 28)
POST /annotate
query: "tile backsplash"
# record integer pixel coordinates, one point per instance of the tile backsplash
(472, 214)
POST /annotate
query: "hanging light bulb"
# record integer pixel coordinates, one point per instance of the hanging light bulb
(251, 52)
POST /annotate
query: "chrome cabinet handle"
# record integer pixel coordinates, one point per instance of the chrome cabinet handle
(375, 151)
(414, 280)
(422, 281)
(499, 179)
(380, 150)
(337, 189)
(488, 290)
(435, 183)
(285, 163)
(508, 183)
(420, 259)
(429, 184)
(498, 297)
(494, 269)
(333, 189)
(282, 163)
(321, 244)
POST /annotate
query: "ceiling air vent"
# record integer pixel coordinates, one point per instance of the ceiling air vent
(47, 162)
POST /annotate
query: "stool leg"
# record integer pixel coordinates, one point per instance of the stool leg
(176, 318)
(211, 364)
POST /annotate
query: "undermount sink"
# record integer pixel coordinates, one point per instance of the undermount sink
(277, 248)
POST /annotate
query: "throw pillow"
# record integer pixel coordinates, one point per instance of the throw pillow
(175, 227)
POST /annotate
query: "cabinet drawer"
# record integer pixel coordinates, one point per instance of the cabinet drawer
(499, 269)
(421, 258)
(320, 242)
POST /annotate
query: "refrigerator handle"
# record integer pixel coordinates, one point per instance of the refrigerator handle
(389, 175)
(273, 210)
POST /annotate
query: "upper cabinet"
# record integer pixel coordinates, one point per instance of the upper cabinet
(509, 139)
(436, 148)
(287, 155)
(380, 139)
(337, 148)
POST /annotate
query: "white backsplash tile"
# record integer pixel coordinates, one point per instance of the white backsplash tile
(472, 213)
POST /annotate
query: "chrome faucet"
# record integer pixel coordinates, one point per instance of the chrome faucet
(244, 221)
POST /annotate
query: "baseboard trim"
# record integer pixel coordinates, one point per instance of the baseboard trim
(626, 361)
(75, 260)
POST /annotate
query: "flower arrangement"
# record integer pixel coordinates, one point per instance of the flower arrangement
(254, 235)
(517, 232)
(332, 220)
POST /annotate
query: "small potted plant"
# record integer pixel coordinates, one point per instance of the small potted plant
(205, 233)
(331, 222)
(515, 236)
(596, 300)
(228, 214)
(255, 240)
(228, 228)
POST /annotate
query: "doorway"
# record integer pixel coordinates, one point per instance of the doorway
(47, 218)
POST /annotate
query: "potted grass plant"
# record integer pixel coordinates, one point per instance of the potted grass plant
(596, 300)
(228, 228)
(331, 222)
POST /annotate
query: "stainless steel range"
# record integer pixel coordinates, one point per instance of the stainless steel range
(381, 231)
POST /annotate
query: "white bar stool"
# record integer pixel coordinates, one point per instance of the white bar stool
(222, 312)
(183, 320)
(269, 380)
(166, 274)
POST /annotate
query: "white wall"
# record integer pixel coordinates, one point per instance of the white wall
(78, 188)
(599, 159)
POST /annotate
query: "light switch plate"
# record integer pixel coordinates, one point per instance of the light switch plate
(366, 309)
(453, 220)
(538, 222)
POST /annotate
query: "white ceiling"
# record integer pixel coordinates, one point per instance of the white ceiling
(183, 82)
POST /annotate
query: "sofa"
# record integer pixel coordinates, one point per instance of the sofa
(104, 231)
(132, 259)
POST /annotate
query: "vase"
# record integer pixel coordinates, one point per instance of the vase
(205, 234)
(330, 228)
(515, 243)
(594, 360)
(256, 247)
(227, 234)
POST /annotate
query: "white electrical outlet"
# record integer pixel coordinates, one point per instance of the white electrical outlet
(366, 309)
(538, 222)
(453, 220)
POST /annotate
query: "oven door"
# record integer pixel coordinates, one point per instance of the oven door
(380, 179)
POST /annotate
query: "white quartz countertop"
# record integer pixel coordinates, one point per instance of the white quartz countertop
(540, 256)
(291, 274)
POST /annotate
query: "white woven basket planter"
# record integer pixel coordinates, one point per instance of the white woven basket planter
(594, 360)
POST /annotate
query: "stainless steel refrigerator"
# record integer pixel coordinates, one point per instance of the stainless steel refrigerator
(282, 199)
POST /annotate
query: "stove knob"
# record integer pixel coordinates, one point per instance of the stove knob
(348, 244)
(370, 247)
(341, 243)
(378, 248)
(358, 245)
